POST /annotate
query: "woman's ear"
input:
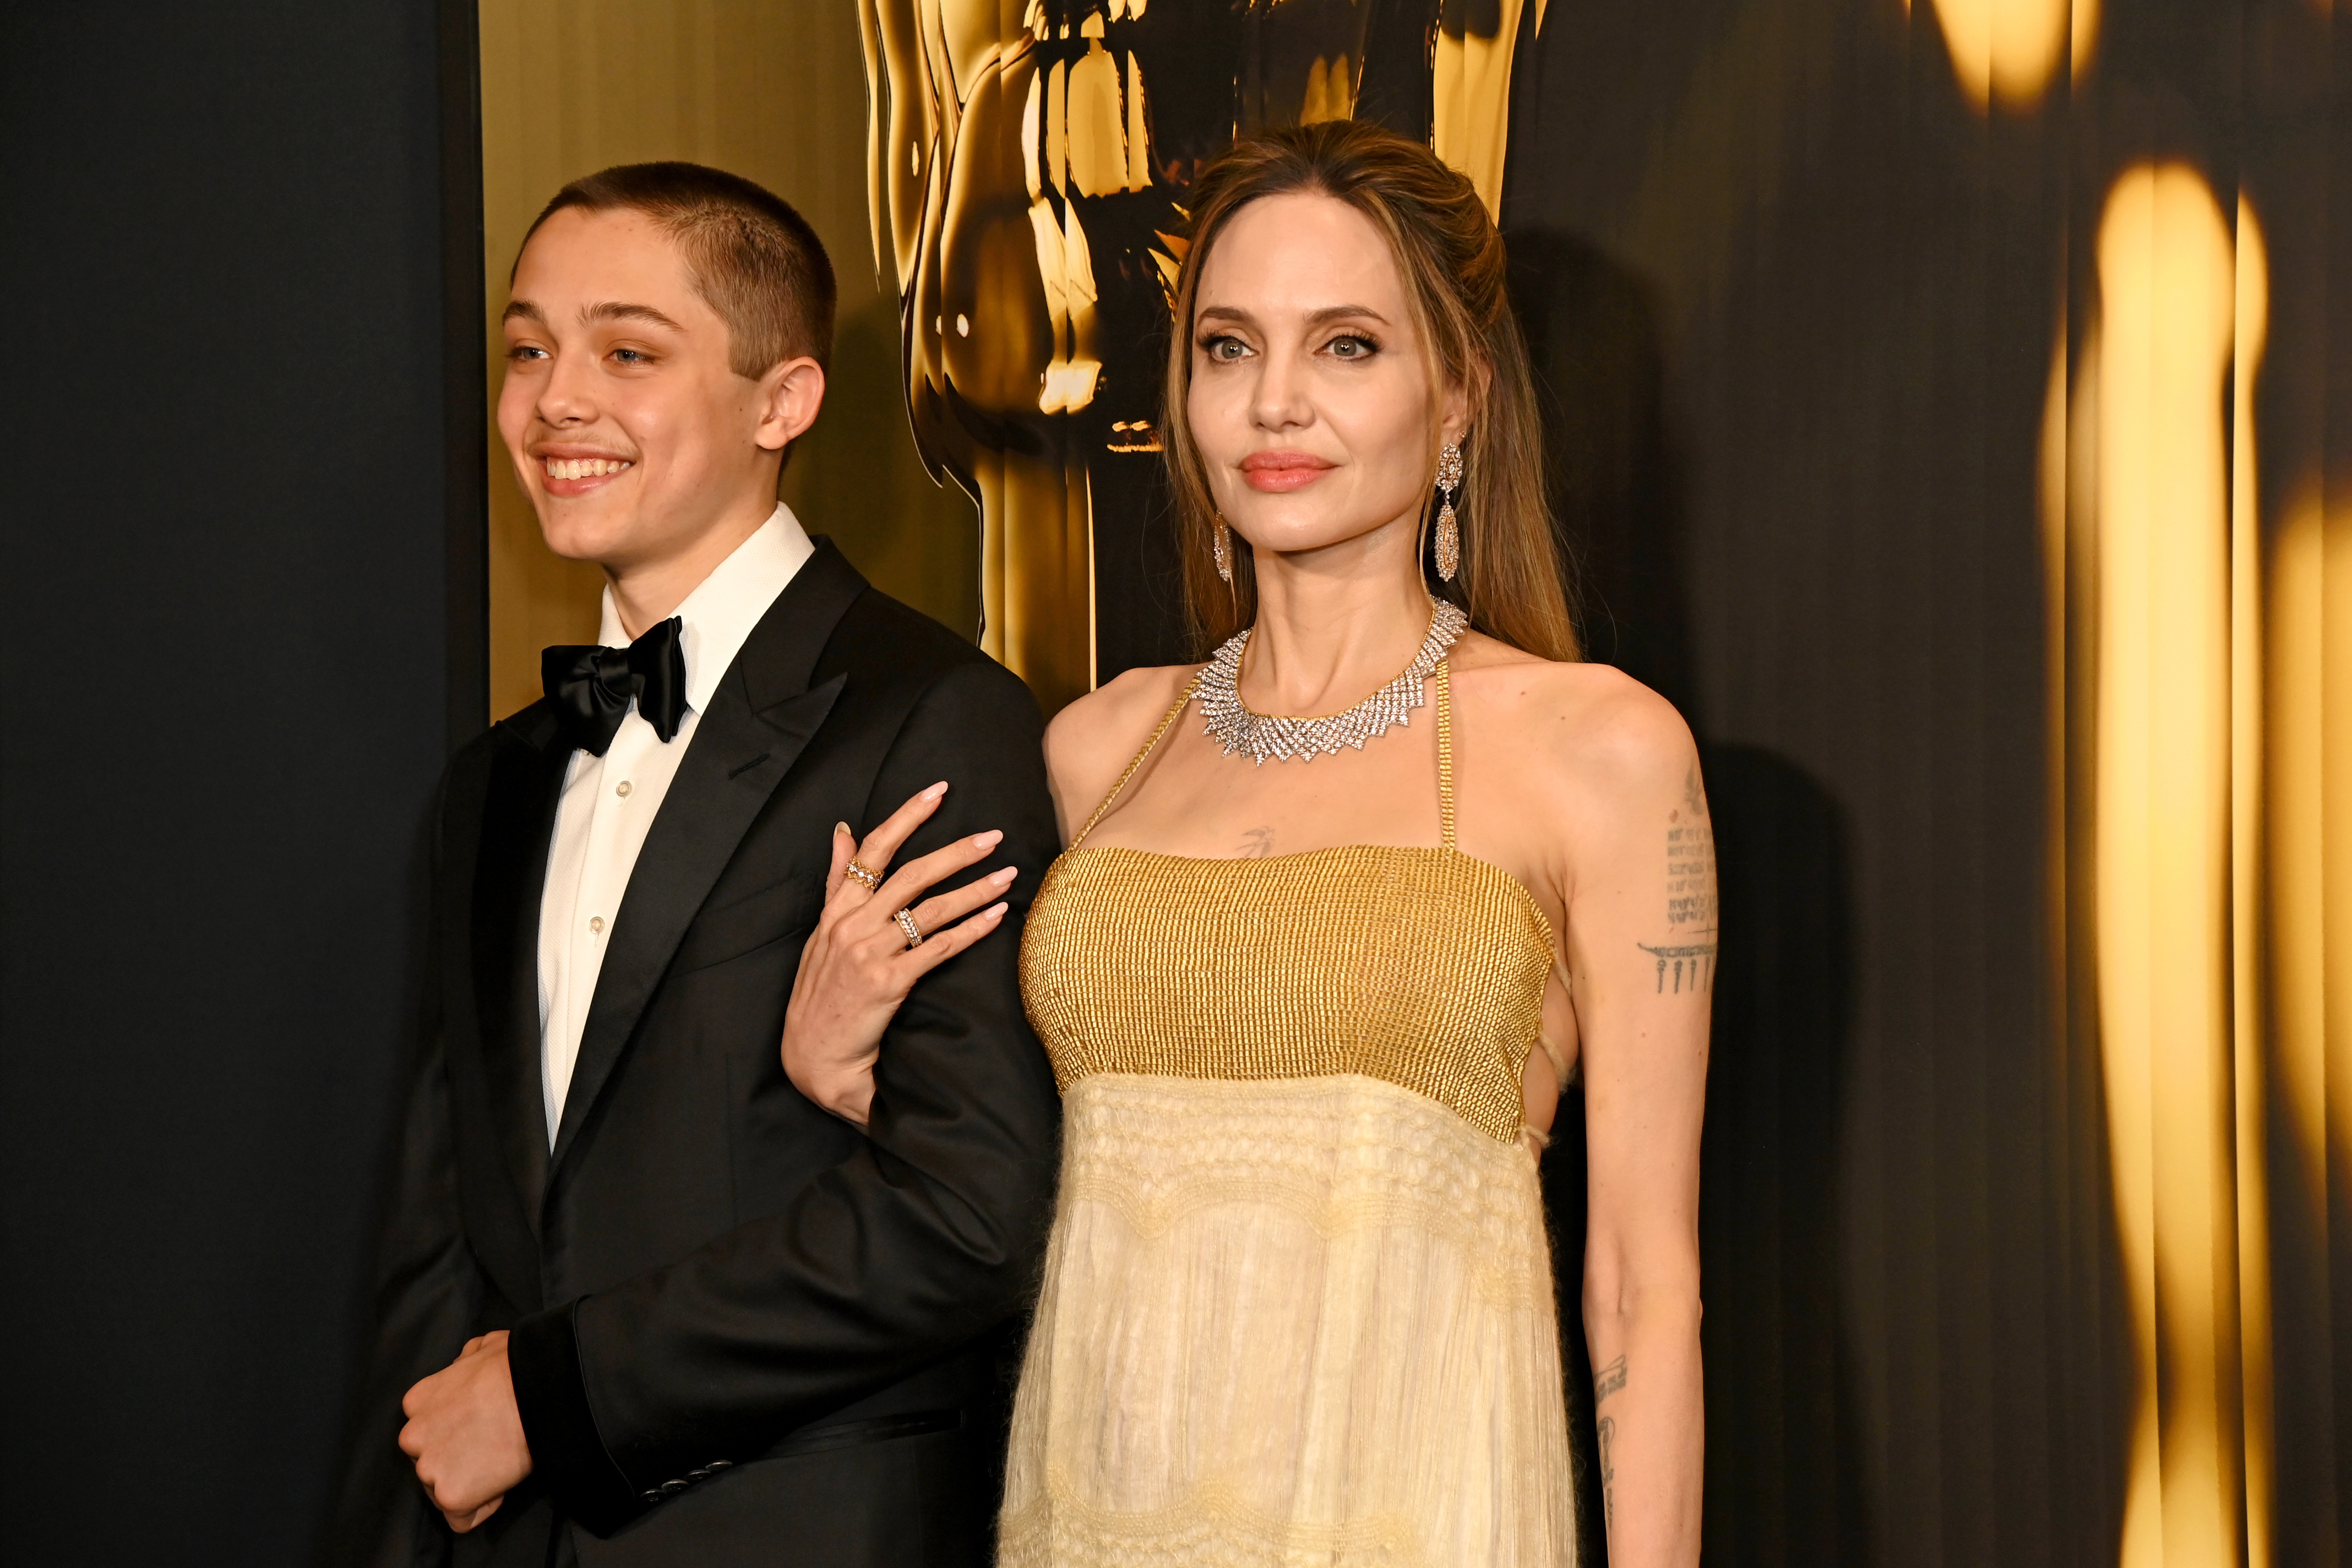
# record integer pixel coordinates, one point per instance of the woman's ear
(1454, 406)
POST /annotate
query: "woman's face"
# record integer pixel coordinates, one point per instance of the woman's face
(1311, 400)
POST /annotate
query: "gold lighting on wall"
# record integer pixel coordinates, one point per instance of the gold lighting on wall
(1330, 91)
(2307, 772)
(2246, 762)
(2010, 51)
(1471, 72)
(2167, 302)
(2161, 689)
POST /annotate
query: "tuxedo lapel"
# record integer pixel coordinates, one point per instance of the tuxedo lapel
(525, 783)
(762, 717)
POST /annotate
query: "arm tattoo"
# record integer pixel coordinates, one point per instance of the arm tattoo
(1690, 862)
(1694, 966)
(1606, 1382)
(1608, 1429)
(1688, 964)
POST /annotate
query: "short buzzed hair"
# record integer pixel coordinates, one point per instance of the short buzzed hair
(754, 260)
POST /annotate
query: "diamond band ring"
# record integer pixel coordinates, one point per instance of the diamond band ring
(906, 919)
(859, 873)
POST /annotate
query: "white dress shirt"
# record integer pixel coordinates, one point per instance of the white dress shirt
(609, 801)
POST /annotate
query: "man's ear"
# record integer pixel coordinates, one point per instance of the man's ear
(789, 395)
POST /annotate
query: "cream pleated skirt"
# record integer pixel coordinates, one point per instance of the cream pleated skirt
(1289, 1322)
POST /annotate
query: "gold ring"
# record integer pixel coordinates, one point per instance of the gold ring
(859, 873)
(906, 919)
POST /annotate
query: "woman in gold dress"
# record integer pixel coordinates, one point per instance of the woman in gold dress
(1311, 985)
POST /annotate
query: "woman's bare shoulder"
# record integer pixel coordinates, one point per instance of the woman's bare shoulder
(1591, 727)
(1090, 742)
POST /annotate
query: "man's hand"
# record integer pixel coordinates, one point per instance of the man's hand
(465, 1435)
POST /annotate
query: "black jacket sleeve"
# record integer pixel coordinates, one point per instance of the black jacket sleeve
(428, 1293)
(927, 1236)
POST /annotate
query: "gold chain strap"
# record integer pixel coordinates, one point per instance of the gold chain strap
(1445, 749)
(1149, 747)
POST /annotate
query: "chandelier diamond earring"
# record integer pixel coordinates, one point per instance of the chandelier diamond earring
(1449, 532)
(1221, 548)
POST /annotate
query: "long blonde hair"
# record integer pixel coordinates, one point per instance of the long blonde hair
(1452, 260)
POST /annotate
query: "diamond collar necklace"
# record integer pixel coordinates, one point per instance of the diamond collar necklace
(1260, 736)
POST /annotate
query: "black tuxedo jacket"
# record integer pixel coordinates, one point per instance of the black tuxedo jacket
(743, 1330)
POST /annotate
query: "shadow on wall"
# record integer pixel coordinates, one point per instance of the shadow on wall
(1592, 336)
(1784, 1477)
(1784, 1461)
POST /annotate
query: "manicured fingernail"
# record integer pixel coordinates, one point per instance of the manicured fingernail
(988, 840)
(1005, 876)
(841, 828)
(936, 791)
(994, 910)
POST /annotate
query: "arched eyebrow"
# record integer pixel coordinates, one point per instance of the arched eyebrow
(1328, 314)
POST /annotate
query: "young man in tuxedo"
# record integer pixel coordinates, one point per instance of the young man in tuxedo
(641, 1301)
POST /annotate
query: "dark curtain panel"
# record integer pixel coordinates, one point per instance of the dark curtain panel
(245, 617)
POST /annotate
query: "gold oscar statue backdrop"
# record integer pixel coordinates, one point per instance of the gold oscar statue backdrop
(776, 93)
(1028, 168)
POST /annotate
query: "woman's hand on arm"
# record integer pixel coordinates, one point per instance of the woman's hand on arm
(1641, 927)
(857, 967)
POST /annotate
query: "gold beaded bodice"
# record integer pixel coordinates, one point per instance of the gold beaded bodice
(1420, 967)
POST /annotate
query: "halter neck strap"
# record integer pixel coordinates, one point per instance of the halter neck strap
(1149, 747)
(1444, 748)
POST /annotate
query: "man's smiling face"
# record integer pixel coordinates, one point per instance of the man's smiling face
(627, 427)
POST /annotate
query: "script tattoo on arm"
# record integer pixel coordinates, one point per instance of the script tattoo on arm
(1690, 861)
(1688, 964)
(1606, 1382)
(1608, 1429)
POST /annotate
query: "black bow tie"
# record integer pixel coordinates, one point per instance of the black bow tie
(589, 686)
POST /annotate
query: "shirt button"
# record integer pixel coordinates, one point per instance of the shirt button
(623, 788)
(596, 925)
